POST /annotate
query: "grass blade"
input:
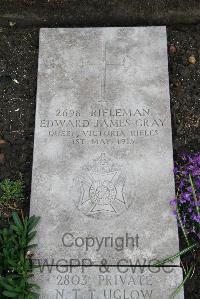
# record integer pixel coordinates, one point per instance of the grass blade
(183, 282)
(194, 195)
(182, 226)
(178, 254)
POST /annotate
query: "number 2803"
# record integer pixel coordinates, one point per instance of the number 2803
(72, 280)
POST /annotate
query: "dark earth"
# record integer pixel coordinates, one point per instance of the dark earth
(19, 35)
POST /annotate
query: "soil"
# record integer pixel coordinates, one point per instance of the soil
(18, 80)
(98, 12)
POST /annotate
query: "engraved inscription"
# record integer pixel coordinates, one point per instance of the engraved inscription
(104, 126)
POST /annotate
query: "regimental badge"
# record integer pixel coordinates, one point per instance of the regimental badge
(101, 188)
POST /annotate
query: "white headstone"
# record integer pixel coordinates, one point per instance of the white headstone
(102, 172)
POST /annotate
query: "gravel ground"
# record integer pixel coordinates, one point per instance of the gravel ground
(18, 75)
(98, 12)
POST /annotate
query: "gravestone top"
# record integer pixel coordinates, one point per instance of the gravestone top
(102, 171)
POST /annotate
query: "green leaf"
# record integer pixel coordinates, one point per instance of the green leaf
(10, 294)
(17, 221)
(32, 222)
(31, 246)
(13, 261)
(33, 285)
(7, 286)
(16, 229)
(31, 236)
(33, 295)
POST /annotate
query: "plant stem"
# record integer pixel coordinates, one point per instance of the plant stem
(195, 196)
(182, 227)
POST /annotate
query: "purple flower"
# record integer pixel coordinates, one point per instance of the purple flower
(196, 218)
(182, 183)
(173, 202)
(175, 169)
(196, 172)
(186, 196)
(182, 201)
(191, 167)
(187, 164)
(184, 172)
(189, 189)
(174, 212)
(197, 158)
(197, 183)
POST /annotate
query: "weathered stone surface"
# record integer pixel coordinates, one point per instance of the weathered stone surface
(95, 283)
(102, 173)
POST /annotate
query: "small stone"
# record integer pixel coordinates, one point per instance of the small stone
(15, 80)
(12, 23)
(172, 49)
(192, 59)
(29, 254)
(2, 157)
(2, 141)
(177, 83)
